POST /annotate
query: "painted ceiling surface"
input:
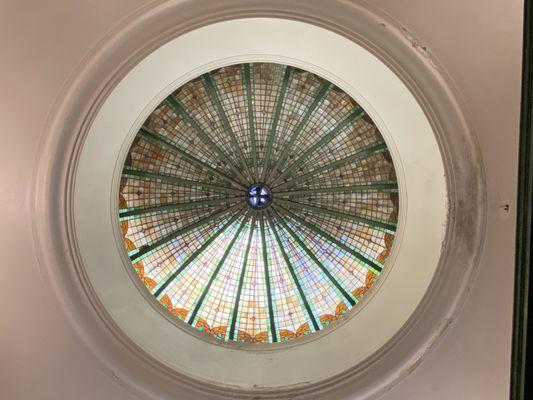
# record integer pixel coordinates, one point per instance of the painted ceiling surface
(258, 203)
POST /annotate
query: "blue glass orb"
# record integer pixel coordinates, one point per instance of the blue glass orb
(259, 196)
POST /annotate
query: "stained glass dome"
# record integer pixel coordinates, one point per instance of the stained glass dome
(258, 203)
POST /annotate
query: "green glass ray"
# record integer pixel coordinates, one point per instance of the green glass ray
(147, 249)
(205, 292)
(375, 223)
(362, 153)
(343, 291)
(182, 112)
(175, 180)
(383, 186)
(247, 84)
(306, 305)
(164, 143)
(272, 132)
(355, 114)
(129, 213)
(368, 263)
(235, 310)
(215, 98)
(195, 254)
(270, 303)
(319, 95)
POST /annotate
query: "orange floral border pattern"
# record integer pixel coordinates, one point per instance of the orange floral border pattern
(219, 332)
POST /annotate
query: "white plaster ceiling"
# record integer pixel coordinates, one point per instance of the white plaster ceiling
(476, 48)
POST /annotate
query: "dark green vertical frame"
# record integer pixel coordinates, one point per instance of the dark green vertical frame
(270, 303)
(521, 367)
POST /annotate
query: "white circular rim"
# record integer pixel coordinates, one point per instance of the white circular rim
(402, 122)
(134, 131)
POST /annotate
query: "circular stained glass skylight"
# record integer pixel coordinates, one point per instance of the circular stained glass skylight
(258, 203)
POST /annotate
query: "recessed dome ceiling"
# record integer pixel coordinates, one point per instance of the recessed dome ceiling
(258, 203)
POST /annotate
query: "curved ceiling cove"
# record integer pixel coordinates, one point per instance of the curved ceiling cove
(258, 203)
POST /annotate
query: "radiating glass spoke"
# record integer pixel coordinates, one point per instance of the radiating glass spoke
(129, 213)
(270, 303)
(365, 260)
(143, 251)
(334, 281)
(364, 187)
(272, 133)
(175, 180)
(195, 254)
(235, 310)
(162, 142)
(357, 112)
(311, 313)
(213, 93)
(247, 83)
(357, 218)
(319, 96)
(180, 110)
(205, 292)
(362, 153)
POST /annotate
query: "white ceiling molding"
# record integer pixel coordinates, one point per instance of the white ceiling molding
(422, 189)
(77, 113)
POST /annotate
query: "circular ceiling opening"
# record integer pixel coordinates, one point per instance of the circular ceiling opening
(258, 203)
(165, 189)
